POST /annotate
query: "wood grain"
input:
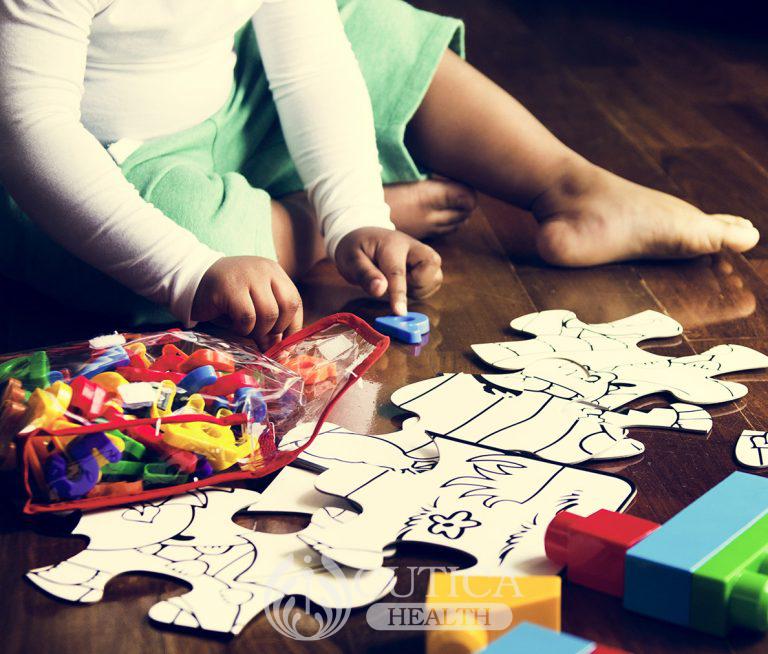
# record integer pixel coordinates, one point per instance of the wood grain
(664, 102)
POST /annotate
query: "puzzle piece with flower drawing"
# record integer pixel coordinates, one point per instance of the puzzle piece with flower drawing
(412, 487)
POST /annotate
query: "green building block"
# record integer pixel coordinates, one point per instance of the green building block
(731, 588)
(133, 449)
(123, 471)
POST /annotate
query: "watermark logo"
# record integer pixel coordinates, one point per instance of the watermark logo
(396, 616)
(287, 616)
(461, 605)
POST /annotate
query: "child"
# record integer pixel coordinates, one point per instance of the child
(142, 137)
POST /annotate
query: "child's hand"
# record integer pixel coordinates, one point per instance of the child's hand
(254, 296)
(381, 260)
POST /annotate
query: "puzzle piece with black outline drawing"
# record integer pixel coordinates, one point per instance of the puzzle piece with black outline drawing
(517, 413)
(235, 573)
(412, 487)
(624, 372)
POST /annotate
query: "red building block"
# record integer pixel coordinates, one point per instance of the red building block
(594, 548)
(228, 384)
(88, 397)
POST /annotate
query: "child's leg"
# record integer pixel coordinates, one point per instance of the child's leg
(471, 130)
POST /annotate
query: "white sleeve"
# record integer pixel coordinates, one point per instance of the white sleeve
(63, 178)
(325, 113)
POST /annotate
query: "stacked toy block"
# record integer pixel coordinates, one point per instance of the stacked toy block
(706, 568)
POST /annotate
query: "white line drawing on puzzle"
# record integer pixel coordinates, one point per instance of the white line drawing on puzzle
(488, 504)
(235, 573)
(474, 409)
(610, 351)
(752, 449)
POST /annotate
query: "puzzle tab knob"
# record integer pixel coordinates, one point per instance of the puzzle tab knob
(748, 604)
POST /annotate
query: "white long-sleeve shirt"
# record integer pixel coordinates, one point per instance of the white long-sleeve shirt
(77, 75)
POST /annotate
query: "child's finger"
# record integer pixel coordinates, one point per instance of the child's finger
(425, 274)
(392, 263)
(242, 313)
(288, 302)
(267, 312)
(297, 322)
(367, 275)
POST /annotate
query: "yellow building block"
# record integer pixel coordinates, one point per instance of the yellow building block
(495, 602)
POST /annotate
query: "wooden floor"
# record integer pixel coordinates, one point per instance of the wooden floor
(665, 104)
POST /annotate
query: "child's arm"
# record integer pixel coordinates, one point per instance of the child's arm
(64, 179)
(327, 120)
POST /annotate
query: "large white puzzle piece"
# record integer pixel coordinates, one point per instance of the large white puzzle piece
(412, 488)
(235, 573)
(622, 371)
(516, 413)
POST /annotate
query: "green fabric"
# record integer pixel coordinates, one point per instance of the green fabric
(216, 178)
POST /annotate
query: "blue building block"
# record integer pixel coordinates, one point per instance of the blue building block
(529, 638)
(408, 328)
(195, 379)
(659, 569)
(111, 359)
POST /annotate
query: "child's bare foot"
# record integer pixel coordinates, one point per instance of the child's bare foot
(592, 217)
(430, 208)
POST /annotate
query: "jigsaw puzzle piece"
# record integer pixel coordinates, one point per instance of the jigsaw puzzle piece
(551, 421)
(624, 449)
(561, 334)
(489, 505)
(234, 573)
(752, 449)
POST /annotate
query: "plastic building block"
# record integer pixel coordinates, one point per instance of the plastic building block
(135, 374)
(594, 548)
(521, 599)
(163, 404)
(532, 638)
(110, 381)
(228, 384)
(215, 442)
(408, 328)
(147, 436)
(111, 359)
(46, 407)
(116, 488)
(198, 378)
(122, 471)
(731, 588)
(39, 370)
(137, 355)
(162, 474)
(221, 361)
(170, 360)
(88, 398)
(659, 569)
(250, 402)
(312, 370)
(133, 450)
(33, 371)
(14, 368)
(137, 395)
(81, 452)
